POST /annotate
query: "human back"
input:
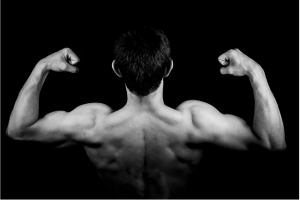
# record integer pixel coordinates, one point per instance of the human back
(144, 153)
(146, 149)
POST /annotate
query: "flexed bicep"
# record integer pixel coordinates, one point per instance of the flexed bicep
(61, 127)
(223, 129)
(78, 126)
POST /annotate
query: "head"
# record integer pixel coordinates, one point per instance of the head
(142, 59)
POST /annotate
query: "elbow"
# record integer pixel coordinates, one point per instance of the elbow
(279, 147)
(13, 134)
(283, 147)
(276, 145)
(274, 142)
(9, 133)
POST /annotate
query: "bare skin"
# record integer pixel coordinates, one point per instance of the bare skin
(143, 150)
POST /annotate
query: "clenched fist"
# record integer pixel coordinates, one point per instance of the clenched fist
(61, 61)
(238, 63)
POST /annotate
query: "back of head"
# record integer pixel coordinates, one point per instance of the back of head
(142, 56)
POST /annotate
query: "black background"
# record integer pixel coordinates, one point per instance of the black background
(198, 33)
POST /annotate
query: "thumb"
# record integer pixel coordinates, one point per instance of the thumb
(226, 70)
(72, 69)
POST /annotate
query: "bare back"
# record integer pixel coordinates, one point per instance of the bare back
(144, 150)
(144, 154)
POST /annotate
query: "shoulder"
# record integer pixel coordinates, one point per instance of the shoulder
(205, 113)
(96, 108)
(87, 115)
(194, 105)
(201, 115)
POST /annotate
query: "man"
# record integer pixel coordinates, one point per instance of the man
(146, 149)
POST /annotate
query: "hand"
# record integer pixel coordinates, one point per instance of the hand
(239, 63)
(61, 61)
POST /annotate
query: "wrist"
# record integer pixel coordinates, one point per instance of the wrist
(41, 67)
(256, 71)
(258, 79)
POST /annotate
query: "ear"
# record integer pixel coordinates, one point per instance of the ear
(116, 70)
(169, 69)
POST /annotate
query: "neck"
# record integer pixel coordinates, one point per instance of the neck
(152, 100)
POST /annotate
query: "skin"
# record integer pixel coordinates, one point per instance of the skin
(145, 148)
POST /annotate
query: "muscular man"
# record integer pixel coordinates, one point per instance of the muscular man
(146, 149)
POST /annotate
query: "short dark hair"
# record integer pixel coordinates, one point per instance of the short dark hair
(142, 56)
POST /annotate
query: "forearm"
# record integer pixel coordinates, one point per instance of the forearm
(267, 122)
(26, 108)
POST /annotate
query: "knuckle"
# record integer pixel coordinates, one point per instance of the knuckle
(65, 51)
(234, 51)
(231, 51)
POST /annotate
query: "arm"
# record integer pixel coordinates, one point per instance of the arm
(229, 130)
(56, 126)
(267, 122)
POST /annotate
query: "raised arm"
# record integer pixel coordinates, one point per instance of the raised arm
(24, 123)
(267, 123)
(232, 131)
